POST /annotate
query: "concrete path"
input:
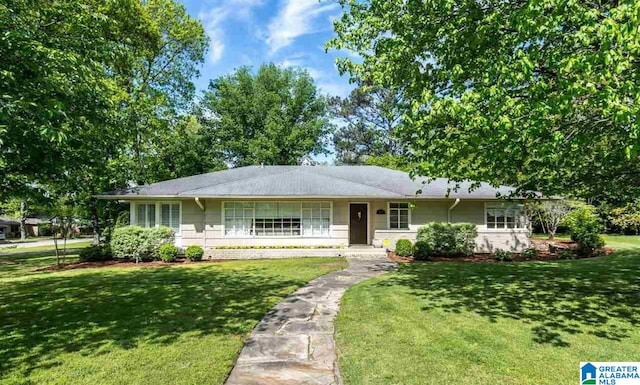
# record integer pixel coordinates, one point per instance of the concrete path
(293, 343)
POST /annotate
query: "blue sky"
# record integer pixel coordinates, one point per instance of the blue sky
(291, 33)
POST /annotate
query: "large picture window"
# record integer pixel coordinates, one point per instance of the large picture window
(399, 215)
(505, 216)
(283, 219)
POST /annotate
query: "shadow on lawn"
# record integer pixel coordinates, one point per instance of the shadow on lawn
(598, 296)
(81, 313)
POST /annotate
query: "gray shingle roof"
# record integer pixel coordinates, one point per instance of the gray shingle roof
(309, 181)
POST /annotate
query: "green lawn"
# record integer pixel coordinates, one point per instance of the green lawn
(489, 323)
(618, 242)
(180, 324)
(47, 248)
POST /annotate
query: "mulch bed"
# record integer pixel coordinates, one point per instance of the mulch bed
(547, 251)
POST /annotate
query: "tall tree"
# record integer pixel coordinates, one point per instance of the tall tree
(56, 82)
(158, 80)
(369, 116)
(540, 94)
(274, 116)
(90, 90)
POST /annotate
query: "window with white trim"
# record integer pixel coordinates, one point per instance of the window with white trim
(505, 216)
(284, 219)
(146, 214)
(399, 215)
(170, 215)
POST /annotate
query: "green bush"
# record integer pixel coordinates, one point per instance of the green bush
(194, 253)
(95, 253)
(585, 227)
(448, 240)
(44, 230)
(529, 253)
(422, 251)
(566, 254)
(139, 243)
(156, 237)
(404, 247)
(168, 252)
(503, 255)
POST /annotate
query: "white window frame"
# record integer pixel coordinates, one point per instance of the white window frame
(504, 206)
(254, 236)
(389, 216)
(158, 204)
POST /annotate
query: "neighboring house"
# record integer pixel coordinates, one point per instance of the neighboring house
(319, 206)
(10, 227)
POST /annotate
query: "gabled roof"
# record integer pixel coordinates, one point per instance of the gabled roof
(309, 181)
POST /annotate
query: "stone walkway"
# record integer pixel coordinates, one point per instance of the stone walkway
(293, 343)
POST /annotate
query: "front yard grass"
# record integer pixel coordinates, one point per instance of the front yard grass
(180, 324)
(490, 323)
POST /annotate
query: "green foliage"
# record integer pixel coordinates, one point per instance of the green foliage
(503, 255)
(370, 116)
(404, 247)
(529, 253)
(449, 240)
(44, 229)
(194, 253)
(123, 219)
(566, 254)
(274, 116)
(95, 253)
(168, 252)
(537, 94)
(140, 243)
(92, 92)
(585, 227)
(395, 162)
(626, 218)
(422, 250)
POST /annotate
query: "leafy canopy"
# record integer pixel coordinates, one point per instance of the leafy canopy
(369, 117)
(539, 94)
(274, 116)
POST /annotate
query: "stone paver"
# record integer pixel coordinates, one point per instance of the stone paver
(293, 344)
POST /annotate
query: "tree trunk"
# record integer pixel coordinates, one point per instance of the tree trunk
(55, 244)
(95, 224)
(23, 220)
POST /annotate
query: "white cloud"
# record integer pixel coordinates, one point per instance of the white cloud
(333, 88)
(212, 22)
(214, 19)
(295, 18)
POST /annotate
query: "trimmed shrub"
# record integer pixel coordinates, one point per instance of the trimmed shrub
(422, 251)
(128, 242)
(529, 253)
(156, 237)
(168, 252)
(95, 253)
(503, 255)
(194, 253)
(139, 243)
(404, 247)
(585, 227)
(448, 240)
